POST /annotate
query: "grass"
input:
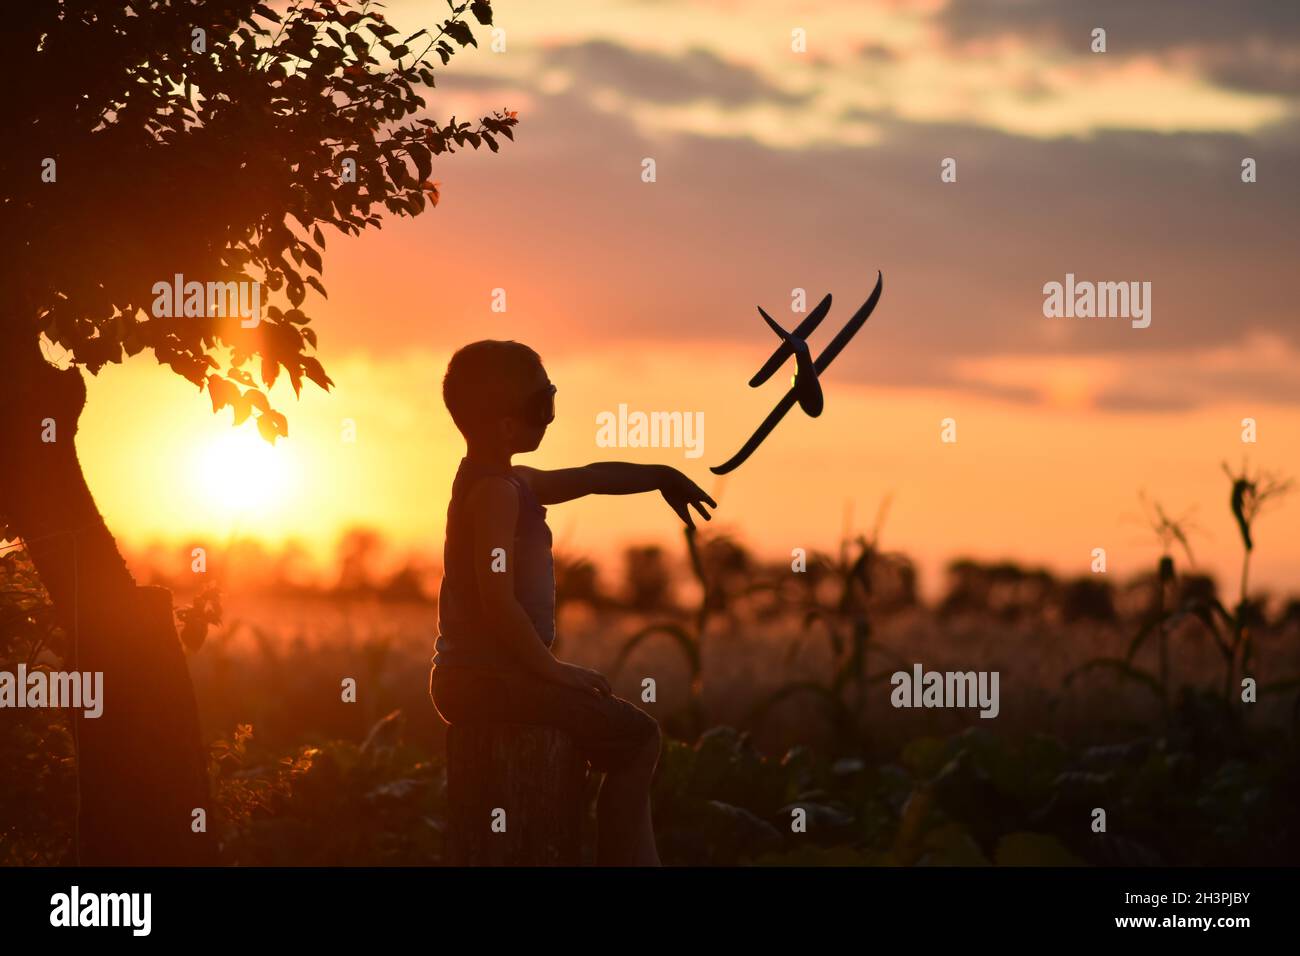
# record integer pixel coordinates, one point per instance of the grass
(773, 690)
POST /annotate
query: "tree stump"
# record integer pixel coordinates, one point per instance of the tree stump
(516, 794)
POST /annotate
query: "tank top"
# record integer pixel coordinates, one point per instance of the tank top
(464, 640)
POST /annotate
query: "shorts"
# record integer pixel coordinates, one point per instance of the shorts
(610, 732)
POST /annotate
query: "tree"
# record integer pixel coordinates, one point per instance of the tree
(217, 141)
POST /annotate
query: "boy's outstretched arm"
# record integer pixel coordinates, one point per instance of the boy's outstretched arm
(619, 478)
(494, 507)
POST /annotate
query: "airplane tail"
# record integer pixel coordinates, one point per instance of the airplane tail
(784, 350)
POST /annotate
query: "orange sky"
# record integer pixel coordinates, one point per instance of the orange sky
(1042, 485)
(779, 170)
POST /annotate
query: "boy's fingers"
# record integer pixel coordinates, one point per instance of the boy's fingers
(684, 514)
(703, 495)
(700, 508)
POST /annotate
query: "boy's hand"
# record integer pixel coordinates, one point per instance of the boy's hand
(681, 494)
(581, 678)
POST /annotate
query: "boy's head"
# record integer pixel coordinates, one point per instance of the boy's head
(499, 395)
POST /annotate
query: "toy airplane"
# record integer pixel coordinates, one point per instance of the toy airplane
(805, 389)
(808, 391)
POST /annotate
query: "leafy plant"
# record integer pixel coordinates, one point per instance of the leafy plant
(1232, 631)
(846, 622)
(688, 639)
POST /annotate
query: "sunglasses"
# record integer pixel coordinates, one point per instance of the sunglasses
(539, 407)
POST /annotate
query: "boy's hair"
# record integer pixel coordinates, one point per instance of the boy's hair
(483, 378)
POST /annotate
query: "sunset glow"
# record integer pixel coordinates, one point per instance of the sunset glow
(874, 446)
(815, 171)
(242, 477)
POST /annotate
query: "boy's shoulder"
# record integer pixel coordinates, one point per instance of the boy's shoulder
(493, 491)
(524, 475)
(471, 475)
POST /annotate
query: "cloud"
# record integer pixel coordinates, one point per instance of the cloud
(697, 74)
(728, 84)
(1152, 25)
(1252, 371)
(1249, 45)
(593, 258)
(1264, 66)
(878, 53)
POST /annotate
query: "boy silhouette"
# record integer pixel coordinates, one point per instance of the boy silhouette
(496, 608)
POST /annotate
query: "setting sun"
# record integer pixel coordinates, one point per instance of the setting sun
(238, 475)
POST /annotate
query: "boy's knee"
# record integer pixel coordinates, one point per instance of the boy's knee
(652, 737)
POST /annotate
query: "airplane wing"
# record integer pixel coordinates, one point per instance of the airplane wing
(787, 401)
(842, 337)
(783, 351)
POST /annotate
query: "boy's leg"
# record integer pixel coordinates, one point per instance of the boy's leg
(626, 834)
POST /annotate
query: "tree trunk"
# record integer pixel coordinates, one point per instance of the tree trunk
(516, 794)
(141, 766)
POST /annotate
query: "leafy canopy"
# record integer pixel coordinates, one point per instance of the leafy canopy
(213, 154)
